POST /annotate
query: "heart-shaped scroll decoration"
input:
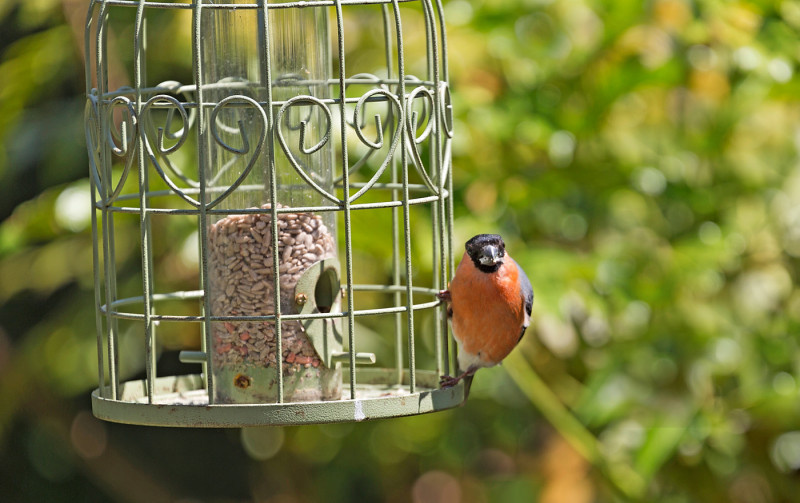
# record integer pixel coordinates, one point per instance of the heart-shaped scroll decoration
(374, 81)
(378, 143)
(162, 151)
(412, 121)
(305, 100)
(246, 146)
(446, 118)
(121, 143)
(175, 88)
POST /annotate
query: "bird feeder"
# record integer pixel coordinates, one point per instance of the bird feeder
(280, 154)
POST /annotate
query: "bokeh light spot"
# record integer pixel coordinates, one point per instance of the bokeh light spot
(780, 70)
(650, 181)
(73, 209)
(709, 233)
(88, 435)
(263, 442)
(436, 487)
(561, 148)
(785, 452)
(573, 226)
(747, 58)
(458, 12)
(783, 383)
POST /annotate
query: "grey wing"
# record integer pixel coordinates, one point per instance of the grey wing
(527, 297)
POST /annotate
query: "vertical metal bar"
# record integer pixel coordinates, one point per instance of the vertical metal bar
(440, 324)
(97, 298)
(396, 277)
(412, 372)
(438, 266)
(87, 45)
(144, 217)
(451, 267)
(445, 209)
(444, 250)
(202, 148)
(409, 284)
(348, 242)
(387, 44)
(443, 39)
(107, 216)
(109, 262)
(436, 242)
(396, 296)
(273, 186)
(205, 347)
(149, 223)
(266, 76)
(436, 170)
(448, 206)
(429, 37)
(111, 288)
(441, 333)
(101, 40)
(436, 156)
(437, 257)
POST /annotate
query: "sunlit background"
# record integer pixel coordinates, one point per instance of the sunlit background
(640, 160)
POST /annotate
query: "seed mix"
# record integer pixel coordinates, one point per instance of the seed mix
(241, 284)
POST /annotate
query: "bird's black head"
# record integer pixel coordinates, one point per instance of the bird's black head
(487, 251)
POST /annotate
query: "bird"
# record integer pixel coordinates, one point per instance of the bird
(489, 303)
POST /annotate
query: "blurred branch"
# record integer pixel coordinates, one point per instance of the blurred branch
(623, 478)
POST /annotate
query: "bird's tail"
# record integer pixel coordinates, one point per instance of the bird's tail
(467, 385)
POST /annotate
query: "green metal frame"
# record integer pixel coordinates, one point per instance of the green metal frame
(373, 393)
(182, 402)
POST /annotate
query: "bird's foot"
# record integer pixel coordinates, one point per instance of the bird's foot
(448, 381)
(444, 295)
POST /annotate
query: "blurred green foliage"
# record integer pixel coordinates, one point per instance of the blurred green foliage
(641, 161)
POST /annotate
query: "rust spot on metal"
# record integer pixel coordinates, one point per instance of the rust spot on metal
(242, 381)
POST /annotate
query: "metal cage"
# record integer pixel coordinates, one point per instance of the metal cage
(203, 151)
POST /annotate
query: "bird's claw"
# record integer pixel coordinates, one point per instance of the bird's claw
(448, 381)
(444, 295)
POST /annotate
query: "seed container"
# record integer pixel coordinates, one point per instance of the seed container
(242, 256)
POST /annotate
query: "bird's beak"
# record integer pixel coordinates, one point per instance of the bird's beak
(490, 255)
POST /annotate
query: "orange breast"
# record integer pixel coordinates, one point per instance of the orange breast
(488, 311)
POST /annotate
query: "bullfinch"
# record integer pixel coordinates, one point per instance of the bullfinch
(489, 305)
